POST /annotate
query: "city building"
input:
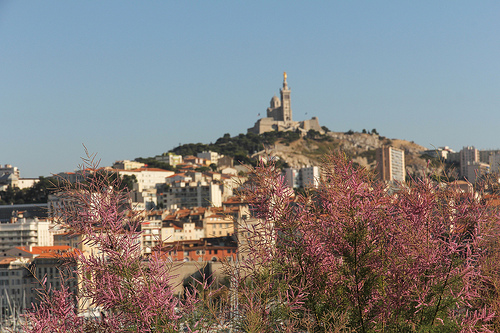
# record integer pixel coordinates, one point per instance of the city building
(13, 287)
(11, 176)
(292, 177)
(147, 178)
(218, 224)
(29, 211)
(468, 156)
(213, 157)
(183, 194)
(22, 270)
(184, 224)
(494, 161)
(440, 153)
(127, 165)
(23, 231)
(303, 177)
(205, 249)
(170, 158)
(474, 170)
(147, 199)
(391, 164)
(76, 241)
(310, 176)
(72, 177)
(484, 155)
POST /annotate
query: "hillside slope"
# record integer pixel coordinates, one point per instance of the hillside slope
(358, 146)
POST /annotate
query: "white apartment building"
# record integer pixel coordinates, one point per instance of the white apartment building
(310, 176)
(27, 182)
(147, 178)
(468, 156)
(9, 169)
(170, 158)
(26, 232)
(440, 153)
(174, 232)
(10, 176)
(127, 165)
(147, 199)
(474, 170)
(304, 177)
(151, 235)
(292, 177)
(213, 157)
(192, 194)
(494, 161)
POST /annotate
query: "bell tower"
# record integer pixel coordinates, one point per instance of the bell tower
(285, 100)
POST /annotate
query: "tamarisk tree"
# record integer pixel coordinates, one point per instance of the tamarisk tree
(367, 260)
(348, 256)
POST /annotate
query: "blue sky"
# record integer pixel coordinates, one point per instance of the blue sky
(136, 78)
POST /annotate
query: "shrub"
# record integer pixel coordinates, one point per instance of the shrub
(134, 293)
(404, 262)
(349, 256)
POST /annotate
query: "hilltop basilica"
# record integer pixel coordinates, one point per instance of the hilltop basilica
(279, 116)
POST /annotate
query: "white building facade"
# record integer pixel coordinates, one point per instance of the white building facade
(26, 232)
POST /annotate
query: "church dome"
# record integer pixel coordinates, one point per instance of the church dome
(275, 102)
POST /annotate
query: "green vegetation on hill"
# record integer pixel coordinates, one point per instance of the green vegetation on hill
(152, 163)
(242, 146)
(38, 193)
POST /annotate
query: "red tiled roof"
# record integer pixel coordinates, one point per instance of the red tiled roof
(7, 260)
(149, 169)
(45, 249)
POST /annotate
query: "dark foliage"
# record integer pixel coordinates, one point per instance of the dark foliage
(239, 147)
(38, 193)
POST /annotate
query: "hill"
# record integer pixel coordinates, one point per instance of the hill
(360, 147)
(296, 151)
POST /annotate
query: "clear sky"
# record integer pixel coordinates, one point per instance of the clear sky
(136, 78)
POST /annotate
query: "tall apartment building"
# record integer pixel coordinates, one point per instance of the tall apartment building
(391, 164)
(304, 177)
(494, 161)
(292, 177)
(310, 176)
(468, 156)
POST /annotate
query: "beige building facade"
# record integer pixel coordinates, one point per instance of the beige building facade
(391, 164)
